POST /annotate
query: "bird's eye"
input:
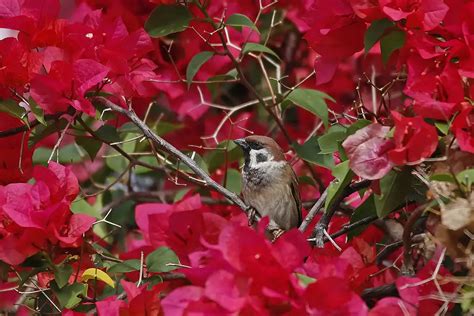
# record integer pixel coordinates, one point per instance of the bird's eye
(261, 158)
(255, 146)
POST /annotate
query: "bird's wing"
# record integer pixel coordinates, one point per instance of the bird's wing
(296, 195)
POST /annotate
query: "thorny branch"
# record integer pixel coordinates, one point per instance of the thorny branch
(317, 207)
(164, 145)
(317, 237)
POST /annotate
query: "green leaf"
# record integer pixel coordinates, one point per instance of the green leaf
(364, 210)
(179, 195)
(357, 126)
(68, 296)
(108, 133)
(313, 101)
(343, 175)
(466, 177)
(259, 48)
(233, 182)
(215, 158)
(391, 42)
(330, 141)
(62, 274)
(39, 260)
(164, 127)
(151, 160)
(80, 206)
(153, 280)
(117, 163)
(311, 152)
(128, 127)
(394, 187)
(159, 260)
(67, 154)
(12, 108)
(304, 279)
(90, 145)
(238, 20)
(167, 19)
(197, 159)
(126, 266)
(37, 111)
(442, 177)
(375, 31)
(196, 62)
(443, 127)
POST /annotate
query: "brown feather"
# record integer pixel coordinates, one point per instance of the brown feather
(273, 191)
(268, 143)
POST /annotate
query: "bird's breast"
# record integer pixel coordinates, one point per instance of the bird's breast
(270, 194)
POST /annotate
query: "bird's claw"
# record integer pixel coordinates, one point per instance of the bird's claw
(277, 233)
(251, 216)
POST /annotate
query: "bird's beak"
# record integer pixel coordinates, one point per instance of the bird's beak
(241, 143)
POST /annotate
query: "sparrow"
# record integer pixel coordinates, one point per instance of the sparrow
(269, 184)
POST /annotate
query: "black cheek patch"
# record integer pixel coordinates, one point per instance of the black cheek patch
(261, 158)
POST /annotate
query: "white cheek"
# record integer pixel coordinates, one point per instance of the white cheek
(270, 167)
(253, 158)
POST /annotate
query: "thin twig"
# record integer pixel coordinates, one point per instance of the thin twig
(349, 227)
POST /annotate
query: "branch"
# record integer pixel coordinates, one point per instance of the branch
(322, 225)
(34, 123)
(19, 129)
(374, 293)
(408, 267)
(387, 251)
(317, 207)
(164, 145)
(349, 227)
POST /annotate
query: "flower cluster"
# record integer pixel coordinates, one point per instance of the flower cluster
(372, 101)
(36, 217)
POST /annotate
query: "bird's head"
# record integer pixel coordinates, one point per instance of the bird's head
(259, 151)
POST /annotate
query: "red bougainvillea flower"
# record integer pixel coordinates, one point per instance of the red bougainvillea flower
(463, 128)
(367, 10)
(435, 91)
(392, 306)
(66, 84)
(367, 150)
(327, 295)
(140, 301)
(414, 140)
(15, 160)
(242, 273)
(419, 13)
(17, 64)
(33, 214)
(28, 16)
(335, 34)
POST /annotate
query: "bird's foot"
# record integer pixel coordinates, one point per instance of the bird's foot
(277, 233)
(251, 216)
